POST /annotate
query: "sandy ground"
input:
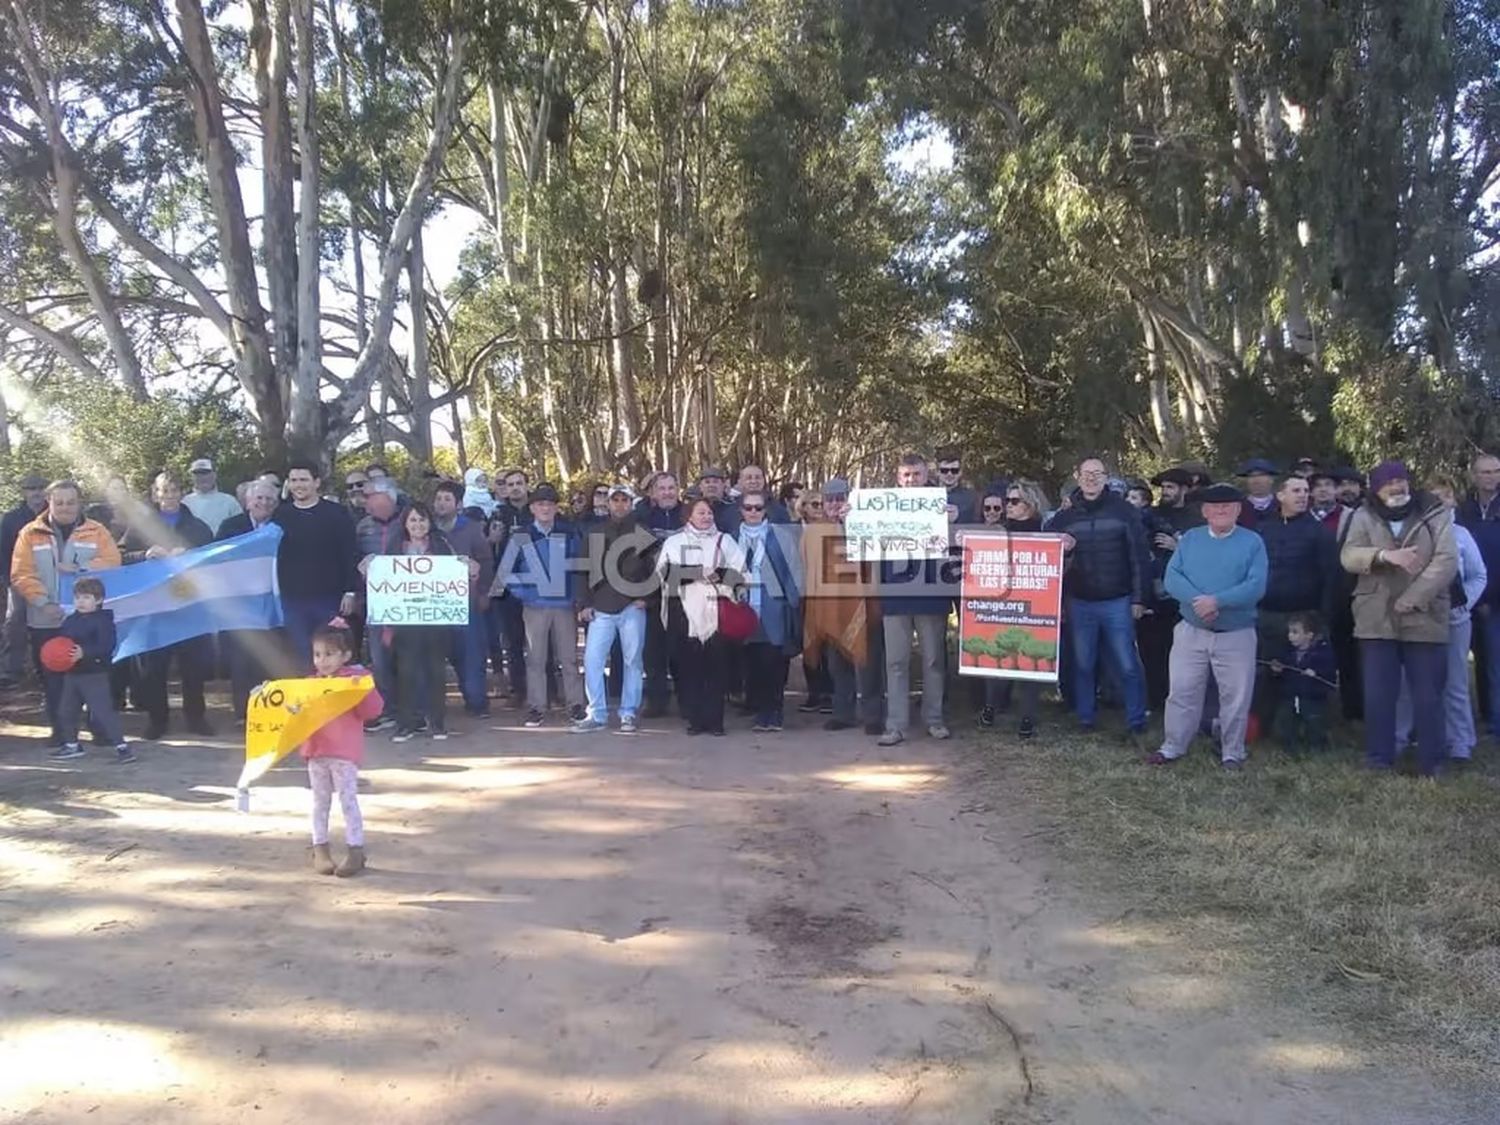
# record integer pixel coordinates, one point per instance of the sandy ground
(558, 928)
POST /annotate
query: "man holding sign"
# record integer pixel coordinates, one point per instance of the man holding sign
(911, 537)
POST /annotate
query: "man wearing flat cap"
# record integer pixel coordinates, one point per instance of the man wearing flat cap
(1259, 476)
(1218, 576)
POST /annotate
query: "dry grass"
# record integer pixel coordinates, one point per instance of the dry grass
(1373, 898)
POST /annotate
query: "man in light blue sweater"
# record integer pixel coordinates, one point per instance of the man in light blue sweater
(1218, 575)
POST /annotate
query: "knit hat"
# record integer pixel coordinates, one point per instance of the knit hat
(1385, 472)
(838, 486)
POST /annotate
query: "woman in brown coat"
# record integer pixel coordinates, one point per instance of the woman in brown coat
(1401, 545)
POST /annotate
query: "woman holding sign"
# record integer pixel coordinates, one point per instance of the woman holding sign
(698, 565)
(1021, 505)
(422, 650)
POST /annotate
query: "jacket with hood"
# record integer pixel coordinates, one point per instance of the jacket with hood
(41, 548)
(1390, 604)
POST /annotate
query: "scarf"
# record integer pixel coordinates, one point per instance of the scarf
(476, 495)
(753, 541)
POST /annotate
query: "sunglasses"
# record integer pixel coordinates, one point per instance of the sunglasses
(1015, 500)
(812, 503)
(947, 470)
(356, 485)
(752, 507)
(994, 507)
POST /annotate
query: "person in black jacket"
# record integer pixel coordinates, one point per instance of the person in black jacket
(170, 529)
(1107, 576)
(662, 513)
(13, 640)
(1302, 576)
(91, 628)
(1306, 673)
(316, 565)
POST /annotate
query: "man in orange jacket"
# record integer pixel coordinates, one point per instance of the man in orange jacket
(59, 541)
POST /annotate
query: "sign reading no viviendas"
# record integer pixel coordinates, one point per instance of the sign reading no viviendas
(1010, 610)
(418, 590)
(897, 524)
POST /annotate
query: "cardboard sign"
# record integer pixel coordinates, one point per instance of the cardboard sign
(897, 524)
(417, 590)
(1010, 610)
(283, 714)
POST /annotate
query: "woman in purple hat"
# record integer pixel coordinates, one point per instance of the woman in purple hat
(1401, 546)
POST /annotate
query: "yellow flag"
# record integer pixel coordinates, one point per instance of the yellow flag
(284, 714)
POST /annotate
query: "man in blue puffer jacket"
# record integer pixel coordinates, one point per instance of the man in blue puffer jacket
(538, 568)
(1302, 575)
(1107, 577)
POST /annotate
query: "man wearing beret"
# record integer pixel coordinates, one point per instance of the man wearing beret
(1218, 576)
(1259, 476)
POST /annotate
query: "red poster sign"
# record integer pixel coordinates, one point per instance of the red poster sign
(1010, 614)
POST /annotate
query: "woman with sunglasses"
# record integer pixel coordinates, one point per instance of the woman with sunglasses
(1020, 509)
(774, 597)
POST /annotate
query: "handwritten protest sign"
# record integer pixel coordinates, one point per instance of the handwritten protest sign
(1010, 611)
(418, 590)
(283, 714)
(897, 523)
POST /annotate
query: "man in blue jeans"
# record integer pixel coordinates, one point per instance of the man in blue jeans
(612, 605)
(468, 651)
(1107, 575)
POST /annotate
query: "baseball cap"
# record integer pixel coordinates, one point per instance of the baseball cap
(713, 472)
(543, 491)
(202, 465)
(31, 480)
(622, 490)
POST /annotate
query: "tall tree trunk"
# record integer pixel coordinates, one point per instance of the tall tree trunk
(420, 374)
(271, 40)
(254, 366)
(307, 403)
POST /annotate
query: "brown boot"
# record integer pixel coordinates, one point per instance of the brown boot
(322, 859)
(353, 863)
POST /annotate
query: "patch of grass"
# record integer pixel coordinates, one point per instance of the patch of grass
(1376, 898)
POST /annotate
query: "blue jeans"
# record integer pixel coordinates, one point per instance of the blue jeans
(629, 625)
(468, 652)
(1110, 620)
(302, 616)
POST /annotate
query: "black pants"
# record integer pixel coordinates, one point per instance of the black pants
(193, 658)
(421, 653)
(998, 694)
(254, 655)
(1351, 679)
(660, 656)
(1153, 636)
(765, 679)
(701, 678)
(819, 682)
(511, 642)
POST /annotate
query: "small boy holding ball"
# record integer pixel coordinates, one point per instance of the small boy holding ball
(91, 628)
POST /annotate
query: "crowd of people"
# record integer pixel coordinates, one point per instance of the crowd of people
(1230, 609)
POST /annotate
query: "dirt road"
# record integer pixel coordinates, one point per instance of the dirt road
(558, 928)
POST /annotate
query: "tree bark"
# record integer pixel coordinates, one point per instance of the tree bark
(420, 372)
(254, 367)
(271, 46)
(307, 403)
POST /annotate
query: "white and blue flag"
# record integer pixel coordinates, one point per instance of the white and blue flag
(228, 585)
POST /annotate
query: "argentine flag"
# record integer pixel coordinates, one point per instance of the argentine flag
(228, 585)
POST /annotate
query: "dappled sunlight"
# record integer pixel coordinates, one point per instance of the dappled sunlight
(675, 946)
(84, 919)
(882, 777)
(1116, 935)
(94, 1058)
(598, 825)
(1312, 1055)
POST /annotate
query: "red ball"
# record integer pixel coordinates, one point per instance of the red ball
(57, 654)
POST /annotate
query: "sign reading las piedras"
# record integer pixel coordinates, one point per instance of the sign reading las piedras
(1010, 613)
(418, 590)
(891, 524)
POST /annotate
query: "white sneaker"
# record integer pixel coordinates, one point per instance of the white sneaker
(891, 738)
(937, 730)
(627, 725)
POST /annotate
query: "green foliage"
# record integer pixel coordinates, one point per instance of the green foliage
(81, 429)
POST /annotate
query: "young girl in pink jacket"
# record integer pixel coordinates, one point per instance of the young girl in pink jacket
(335, 751)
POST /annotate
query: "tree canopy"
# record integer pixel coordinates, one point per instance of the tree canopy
(699, 232)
